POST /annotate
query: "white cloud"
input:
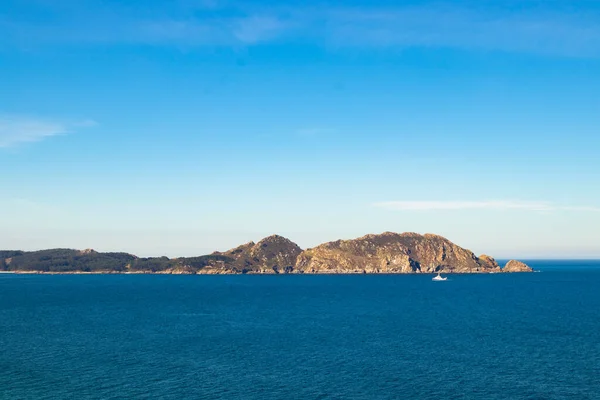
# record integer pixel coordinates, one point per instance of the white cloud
(536, 31)
(255, 29)
(580, 208)
(541, 29)
(481, 205)
(15, 130)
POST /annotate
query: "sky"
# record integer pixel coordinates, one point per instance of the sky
(182, 127)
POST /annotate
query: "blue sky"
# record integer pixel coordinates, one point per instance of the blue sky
(183, 127)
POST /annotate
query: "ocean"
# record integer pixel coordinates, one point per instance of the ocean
(496, 336)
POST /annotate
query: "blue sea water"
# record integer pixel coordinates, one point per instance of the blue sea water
(500, 336)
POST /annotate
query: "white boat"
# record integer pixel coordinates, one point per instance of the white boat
(438, 277)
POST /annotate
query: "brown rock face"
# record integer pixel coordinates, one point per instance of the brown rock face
(88, 251)
(489, 264)
(516, 266)
(272, 255)
(180, 270)
(392, 253)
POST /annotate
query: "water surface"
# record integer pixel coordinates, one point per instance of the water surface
(498, 336)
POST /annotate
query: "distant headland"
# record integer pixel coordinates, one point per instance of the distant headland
(386, 253)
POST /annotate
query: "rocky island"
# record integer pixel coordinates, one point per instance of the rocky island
(386, 253)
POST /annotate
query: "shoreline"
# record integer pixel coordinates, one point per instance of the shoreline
(248, 273)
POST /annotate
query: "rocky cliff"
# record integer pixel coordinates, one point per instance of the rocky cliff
(393, 253)
(516, 266)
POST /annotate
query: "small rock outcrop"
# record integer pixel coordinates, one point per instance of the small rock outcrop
(179, 270)
(489, 263)
(88, 251)
(516, 266)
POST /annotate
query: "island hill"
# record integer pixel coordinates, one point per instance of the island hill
(386, 253)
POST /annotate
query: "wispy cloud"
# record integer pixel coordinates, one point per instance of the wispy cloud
(15, 130)
(478, 205)
(259, 28)
(457, 27)
(542, 29)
